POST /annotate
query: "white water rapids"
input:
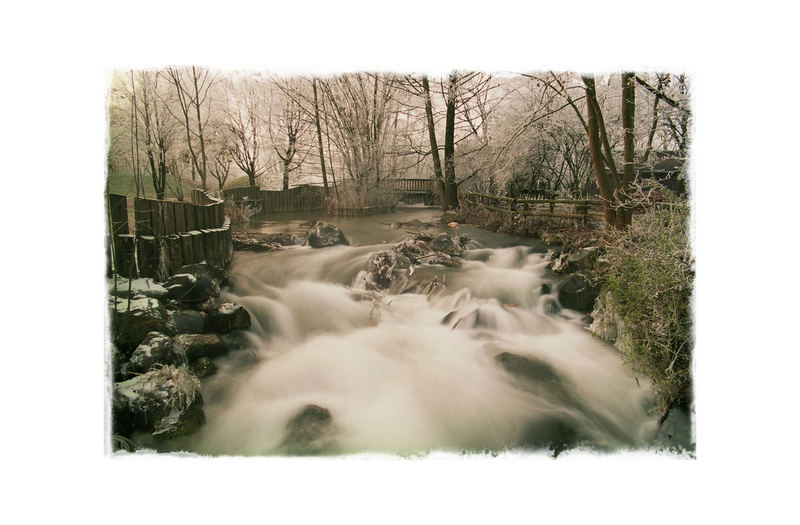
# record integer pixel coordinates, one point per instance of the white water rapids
(411, 372)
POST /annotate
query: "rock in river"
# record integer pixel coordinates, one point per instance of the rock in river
(578, 292)
(324, 234)
(194, 346)
(308, 432)
(155, 349)
(166, 402)
(191, 286)
(223, 316)
(445, 243)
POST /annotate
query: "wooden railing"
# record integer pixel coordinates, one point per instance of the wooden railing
(413, 185)
(558, 208)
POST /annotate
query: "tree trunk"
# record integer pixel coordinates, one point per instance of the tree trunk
(654, 125)
(628, 110)
(319, 139)
(603, 184)
(451, 190)
(437, 163)
(197, 102)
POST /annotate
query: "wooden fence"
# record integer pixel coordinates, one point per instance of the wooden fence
(300, 198)
(168, 234)
(558, 208)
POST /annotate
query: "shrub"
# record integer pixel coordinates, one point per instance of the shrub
(650, 282)
(241, 212)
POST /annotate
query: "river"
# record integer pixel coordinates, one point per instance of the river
(408, 373)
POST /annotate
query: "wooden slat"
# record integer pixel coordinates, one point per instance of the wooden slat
(118, 209)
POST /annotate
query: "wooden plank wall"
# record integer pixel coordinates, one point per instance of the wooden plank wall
(300, 198)
(169, 234)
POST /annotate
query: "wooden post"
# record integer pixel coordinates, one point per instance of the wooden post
(197, 246)
(179, 219)
(169, 217)
(118, 209)
(125, 254)
(186, 248)
(188, 217)
(175, 253)
(147, 255)
(156, 216)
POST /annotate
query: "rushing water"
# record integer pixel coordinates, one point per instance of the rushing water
(413, 372)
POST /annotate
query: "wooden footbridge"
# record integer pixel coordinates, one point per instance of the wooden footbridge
(415, 191)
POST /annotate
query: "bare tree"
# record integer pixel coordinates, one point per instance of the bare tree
(287, 129)
(159, 129)
(246, 127)
(191, 89)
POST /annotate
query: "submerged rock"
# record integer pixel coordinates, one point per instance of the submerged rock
(166, 402)
(553, 433)
(578, 292)
(445, 243)
(194, 346)
(309, 431)
(204, 367)
(223, 316)
(324, 234)
(528, 368)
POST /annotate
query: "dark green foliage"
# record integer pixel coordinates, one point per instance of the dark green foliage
(650, 282)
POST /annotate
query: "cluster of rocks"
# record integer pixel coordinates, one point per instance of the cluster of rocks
(165, 337)
(397, 263)
(582, 285)
(262, 242)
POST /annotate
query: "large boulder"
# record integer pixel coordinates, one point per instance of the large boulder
(578, 292)
(191, 347)
(324, 234)
(195, 283)
(132, 320)
(223, 316)
(155, 349)
(309, 431)
(187, 321)
(165, 401)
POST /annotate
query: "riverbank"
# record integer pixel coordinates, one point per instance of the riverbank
(562, 232)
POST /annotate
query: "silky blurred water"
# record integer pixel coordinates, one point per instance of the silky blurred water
(412, 372)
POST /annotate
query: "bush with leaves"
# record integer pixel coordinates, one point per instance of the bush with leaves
(649, 284)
